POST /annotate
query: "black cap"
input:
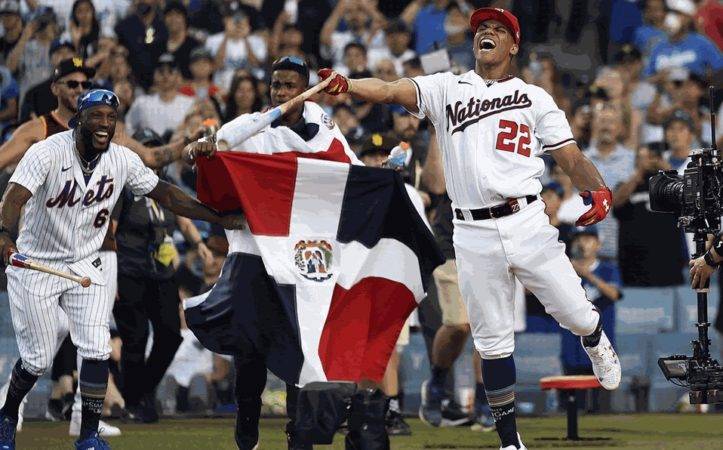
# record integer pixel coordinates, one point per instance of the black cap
(680, 115)
(176, 6)
(9, 7)
(377, 143)
(200, 53)
(166, 59)
(397, 26)
(57, 44)
(148, 137)
(295, 63)
(72, 65)
(234, 8)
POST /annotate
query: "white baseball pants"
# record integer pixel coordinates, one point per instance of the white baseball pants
(492, 253)
(34, 300)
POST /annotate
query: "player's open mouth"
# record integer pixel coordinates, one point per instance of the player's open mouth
(487, 44)
(101, 136)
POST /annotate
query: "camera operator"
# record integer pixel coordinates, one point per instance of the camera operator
(702, 268)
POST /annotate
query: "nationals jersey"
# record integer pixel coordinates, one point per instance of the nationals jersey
(491, 136)
(66, 219)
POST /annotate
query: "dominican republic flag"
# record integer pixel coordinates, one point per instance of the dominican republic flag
(334, 260)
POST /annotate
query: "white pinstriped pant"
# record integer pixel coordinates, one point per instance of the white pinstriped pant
(45, 307)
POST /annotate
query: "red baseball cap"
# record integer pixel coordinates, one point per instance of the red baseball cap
(503, 16)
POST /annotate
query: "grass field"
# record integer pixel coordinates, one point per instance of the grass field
(640, 432)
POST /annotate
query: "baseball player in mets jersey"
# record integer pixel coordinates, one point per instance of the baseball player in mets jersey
(68, 185)
(491, 128)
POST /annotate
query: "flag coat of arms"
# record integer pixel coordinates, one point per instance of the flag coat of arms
(334, 260)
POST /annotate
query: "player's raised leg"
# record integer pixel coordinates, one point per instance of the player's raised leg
(544, 269)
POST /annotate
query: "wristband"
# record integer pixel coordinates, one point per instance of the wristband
(710, 261)
(718, 245)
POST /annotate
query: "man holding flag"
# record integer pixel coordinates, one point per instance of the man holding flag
(308, 291)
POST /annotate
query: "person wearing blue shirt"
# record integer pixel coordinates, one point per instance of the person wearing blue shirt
(9, 93)
(601, 281)
(428, 24)
(683, 48)
(650, 33)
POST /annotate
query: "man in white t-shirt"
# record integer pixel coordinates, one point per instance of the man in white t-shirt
(397, 38)
(236, 48)
(363, 22)
(163, 111)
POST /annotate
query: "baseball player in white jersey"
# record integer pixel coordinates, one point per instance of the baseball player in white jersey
(67, 185)
(492, 128)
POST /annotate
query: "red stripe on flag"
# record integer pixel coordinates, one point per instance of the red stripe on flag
(362, 328)
(261, 185)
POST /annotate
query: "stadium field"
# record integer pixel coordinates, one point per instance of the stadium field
(639, 432)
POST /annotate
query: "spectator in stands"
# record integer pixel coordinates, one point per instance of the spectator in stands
(349, 125)
(427, 20)
(601, 281)
(115, 68)
(639, 93)
(684, 47)
(30, 58)
(643, 261)
(365, 25)
(385, 70)
(144, 34)
(398, 38)
(679, 136)
(125, 91)
(615, 163)
(686, 90)
(84, 28)
(650, 33)
(617, 90)
(236, 48)
(147, 291)
(553, 194)
(243, 98)
(180, 44)
(201, 85)
(459, 41)
(355, 60)
(40, 99)
(286, 39)
(164, 110)
(542, 71)
(12, 23)
(9, 93)
(405, 127)
(580, 124)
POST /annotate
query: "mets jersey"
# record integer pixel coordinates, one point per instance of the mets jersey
(491, 136)
(66, 219)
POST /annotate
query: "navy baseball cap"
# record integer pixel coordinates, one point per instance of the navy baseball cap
(585, 231)
(293, 62)
(93, 98)
(57, 44)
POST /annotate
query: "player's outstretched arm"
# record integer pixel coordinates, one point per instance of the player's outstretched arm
(586, 178)
(401, 92)
(16, 196)
(173, 198)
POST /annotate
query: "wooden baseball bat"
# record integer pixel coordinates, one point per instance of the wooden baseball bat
(22, 261)
(243, 127)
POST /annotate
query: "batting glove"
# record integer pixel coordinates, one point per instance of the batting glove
(601, 201)
(338, 85)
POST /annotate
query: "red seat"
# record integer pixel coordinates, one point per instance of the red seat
(569, 385)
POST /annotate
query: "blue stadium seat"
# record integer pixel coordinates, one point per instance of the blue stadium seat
(634, 353)
(645, 310)
(413, 369)
(537, 355)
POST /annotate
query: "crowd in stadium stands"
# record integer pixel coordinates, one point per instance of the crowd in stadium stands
(631, 76)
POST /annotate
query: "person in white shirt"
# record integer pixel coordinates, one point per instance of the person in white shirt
(163, 111)
(236, 48)
(365, 26)
(398, 37)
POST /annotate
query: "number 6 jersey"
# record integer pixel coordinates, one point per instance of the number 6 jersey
(491, 136)
(67, 217)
